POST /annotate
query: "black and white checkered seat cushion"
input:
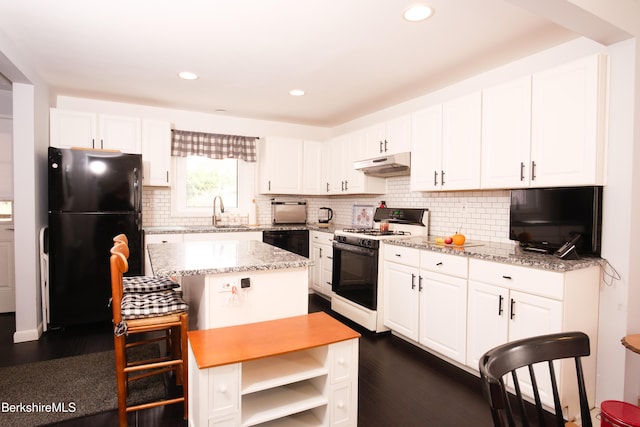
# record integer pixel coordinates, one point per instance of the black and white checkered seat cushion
(143, 284)
(137, 306)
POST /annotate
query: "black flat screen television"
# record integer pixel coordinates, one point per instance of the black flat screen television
(543, 219)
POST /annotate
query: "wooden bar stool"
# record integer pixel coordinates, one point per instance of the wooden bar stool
(143, 313)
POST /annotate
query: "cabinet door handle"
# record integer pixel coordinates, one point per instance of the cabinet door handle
(167, 176)
(441, 177)
(327, 187)
(342, 182)
(512, 311)
(419, 283)
(439, 263)
(506, 277)
(346, 185)
(398, 255)
(269, 185)
(320, 253)
(385, 145)
(93, 143)
(435, 178)
(533, 170)
(413, 281)
(381, 146)
(500, 310)
(521, 171)
(102, 144)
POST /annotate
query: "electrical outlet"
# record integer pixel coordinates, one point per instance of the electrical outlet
(226, 287)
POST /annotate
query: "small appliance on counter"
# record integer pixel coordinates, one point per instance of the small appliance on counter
(288, 211)
(324, 216)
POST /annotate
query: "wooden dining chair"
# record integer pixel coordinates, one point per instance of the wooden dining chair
(140, 315)
(503, 361)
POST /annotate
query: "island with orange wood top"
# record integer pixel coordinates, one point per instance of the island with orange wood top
(300, 370)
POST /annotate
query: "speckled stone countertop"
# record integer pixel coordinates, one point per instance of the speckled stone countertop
(216, 257)
(186, 229)
(500, 252)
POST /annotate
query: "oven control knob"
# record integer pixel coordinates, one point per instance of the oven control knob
(365, 242)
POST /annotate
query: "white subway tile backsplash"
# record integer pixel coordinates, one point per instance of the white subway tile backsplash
(480, 215)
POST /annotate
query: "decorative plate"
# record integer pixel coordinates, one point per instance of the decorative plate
(362, 216)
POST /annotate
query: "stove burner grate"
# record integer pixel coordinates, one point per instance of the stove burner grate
(375, 232)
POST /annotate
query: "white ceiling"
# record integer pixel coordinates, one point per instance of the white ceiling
(352, 57)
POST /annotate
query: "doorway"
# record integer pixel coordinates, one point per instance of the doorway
(7, 274)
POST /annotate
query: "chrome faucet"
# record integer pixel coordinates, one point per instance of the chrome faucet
(215, 218)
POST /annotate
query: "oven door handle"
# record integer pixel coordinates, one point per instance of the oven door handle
(356, 249)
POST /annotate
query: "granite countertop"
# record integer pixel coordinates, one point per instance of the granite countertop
(186, 229)
(500, 252)
(216, 257)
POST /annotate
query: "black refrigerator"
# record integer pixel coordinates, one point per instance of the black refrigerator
(93, 196)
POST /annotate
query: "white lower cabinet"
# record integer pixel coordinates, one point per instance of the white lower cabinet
(320, 274)
(461, 307)
(425, 299)
(443, 314)
(313, 387)
(508, 302)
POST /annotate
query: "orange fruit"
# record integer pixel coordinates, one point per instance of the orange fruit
(458, 239)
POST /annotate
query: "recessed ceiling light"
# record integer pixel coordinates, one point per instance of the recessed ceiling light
(187, 75)
(296, 92)
(417, 13)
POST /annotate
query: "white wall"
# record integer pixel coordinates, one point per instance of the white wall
(30, 104)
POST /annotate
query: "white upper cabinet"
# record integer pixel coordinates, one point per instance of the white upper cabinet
(311, 171)
(461, 124)
(339, 176)
(390, 137)
(72, 129)
(156, 152)
(120, 133)
(97, 131)
(568, 124)
(506, 135)
(426, 149)
(446, 146)
(280, 161)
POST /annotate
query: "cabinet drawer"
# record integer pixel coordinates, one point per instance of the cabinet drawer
(224, 390)
(451, 265)
(402, 255)
(344, 361)
(530, 280)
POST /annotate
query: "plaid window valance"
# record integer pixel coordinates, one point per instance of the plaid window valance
(215, 146)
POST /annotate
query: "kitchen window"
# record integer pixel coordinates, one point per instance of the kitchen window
(199, 179)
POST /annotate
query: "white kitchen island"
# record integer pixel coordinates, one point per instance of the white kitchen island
(234, 282)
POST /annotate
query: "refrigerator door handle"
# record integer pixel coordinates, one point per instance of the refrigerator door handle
(137, 200)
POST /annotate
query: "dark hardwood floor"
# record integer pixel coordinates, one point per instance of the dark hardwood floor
(399, 384)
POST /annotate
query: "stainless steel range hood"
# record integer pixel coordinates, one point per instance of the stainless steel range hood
(391, 165)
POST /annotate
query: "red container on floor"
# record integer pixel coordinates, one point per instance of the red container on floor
(614, 413)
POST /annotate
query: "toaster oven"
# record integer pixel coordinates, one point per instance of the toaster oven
(288, 211)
